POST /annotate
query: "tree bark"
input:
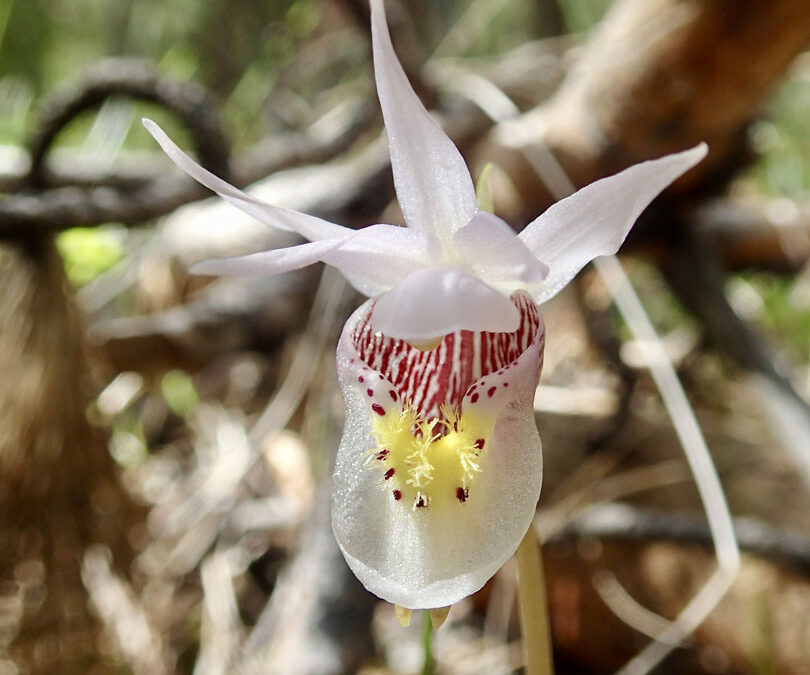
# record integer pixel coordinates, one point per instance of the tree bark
(657, 76)
(59, 491)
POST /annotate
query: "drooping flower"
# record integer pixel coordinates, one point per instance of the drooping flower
(439, 467)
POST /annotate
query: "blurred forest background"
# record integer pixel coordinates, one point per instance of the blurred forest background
(166, 440)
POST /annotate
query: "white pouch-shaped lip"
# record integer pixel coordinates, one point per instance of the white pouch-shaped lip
(429, 543)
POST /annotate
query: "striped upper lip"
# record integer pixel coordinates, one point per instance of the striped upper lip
(429, 378)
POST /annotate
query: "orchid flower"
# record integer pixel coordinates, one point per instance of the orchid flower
(439, 468)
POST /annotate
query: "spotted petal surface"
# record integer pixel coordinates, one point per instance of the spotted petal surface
(433, 544)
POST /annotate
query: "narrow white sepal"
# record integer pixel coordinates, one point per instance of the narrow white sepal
(595, 220)
(432, 181)
(265, 263)
(434, 301)
(309, 227)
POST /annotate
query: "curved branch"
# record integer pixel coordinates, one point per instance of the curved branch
(138, 80)
(131, 201)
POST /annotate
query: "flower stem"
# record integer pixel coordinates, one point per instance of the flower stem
(534, 608)
(427, 643)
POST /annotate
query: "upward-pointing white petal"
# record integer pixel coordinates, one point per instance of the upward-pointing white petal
(596, 219)
(432, 181)
(285, 219)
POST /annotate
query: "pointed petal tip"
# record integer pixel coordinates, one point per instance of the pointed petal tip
(157, 133)
(403, 615)
(267, 263)
(432, 181)
(595, 220)
(697, 153)
(438, 616)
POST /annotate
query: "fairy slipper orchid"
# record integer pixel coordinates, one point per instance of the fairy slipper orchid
(439, 468)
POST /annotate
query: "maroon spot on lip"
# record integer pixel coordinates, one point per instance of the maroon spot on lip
(474, 398)
(392, 394)
(491, 391)
(505, 384)
(377, 408)
(462, 494)
(479, 443)
(370, 391)
(397, 495)
(381, 376)
(389, 473)
(382, 454)
(421, 503)
(361, 379)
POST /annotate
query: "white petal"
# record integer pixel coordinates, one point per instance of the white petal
(434, 301)
(433, 558)
(490, 247)
(276, 216)
(380, 256)
(266, 263)
(595, 220)
(433, 183)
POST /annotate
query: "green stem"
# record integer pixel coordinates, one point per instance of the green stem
(534, 608)
(427, 643)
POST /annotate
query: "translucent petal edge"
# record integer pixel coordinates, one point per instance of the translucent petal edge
(399, 558)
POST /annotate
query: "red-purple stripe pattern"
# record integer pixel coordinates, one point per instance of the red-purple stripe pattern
(427, 379)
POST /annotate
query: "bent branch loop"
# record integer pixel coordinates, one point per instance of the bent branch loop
(139, 80)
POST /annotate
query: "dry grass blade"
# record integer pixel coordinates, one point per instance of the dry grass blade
(473, 22)
(323, 319)
(699, 458)
(220, 632)
(122, 615)
(223, 457)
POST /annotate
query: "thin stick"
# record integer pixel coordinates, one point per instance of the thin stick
(534, 607)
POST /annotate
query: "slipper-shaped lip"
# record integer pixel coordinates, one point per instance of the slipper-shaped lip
(424, 558)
